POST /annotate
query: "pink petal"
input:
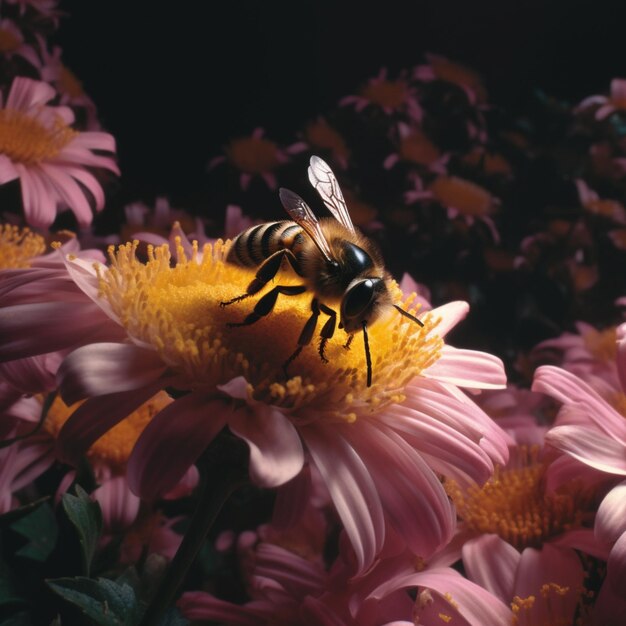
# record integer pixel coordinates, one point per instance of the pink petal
(611, 517)
(291, 500)
(468, 368)
(583, 540)
(352, 490)
(276, 453)
(199, 605)
(69, 192)
(8, 172)
(104, 368)
(590, 447)
(492, 563)
(173, 441)
(451, 314)
(38, 197)
(26, 93)
(95, 417)
(570, 389)
(560, 566)
(119, 506)
(616, 566)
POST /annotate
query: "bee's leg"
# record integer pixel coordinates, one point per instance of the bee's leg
(267, 302)
(306, 335)
(349, 342)
(266, 272)
(328, 330)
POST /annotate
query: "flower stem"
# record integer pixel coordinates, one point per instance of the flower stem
(223, 471)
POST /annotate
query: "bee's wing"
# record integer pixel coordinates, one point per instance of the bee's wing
(301, 213)
(324, 181)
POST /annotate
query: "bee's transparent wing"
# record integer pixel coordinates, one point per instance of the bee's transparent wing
(324, 181)
(301, 213)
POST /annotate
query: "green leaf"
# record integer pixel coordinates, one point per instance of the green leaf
(85, 515)
(104, 601)
(40, 529)
(8, 595)
(9, 517)
(19, 619)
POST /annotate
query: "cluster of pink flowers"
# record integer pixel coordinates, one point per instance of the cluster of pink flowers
(438, 492)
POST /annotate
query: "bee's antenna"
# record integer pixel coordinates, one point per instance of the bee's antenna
(368, 356)
(411, 317)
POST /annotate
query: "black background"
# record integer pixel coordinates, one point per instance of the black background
(175, 81)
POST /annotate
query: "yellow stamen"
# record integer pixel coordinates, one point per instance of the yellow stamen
(386, 93)
(18, 246)
(114, 447)
(253, 155)
(24, 139)
(514, 504)
(177, 311)
(602, 344)
(553, 597)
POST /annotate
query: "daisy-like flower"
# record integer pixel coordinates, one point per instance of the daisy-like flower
(319, 134)
(607, 105)
(441, 68)
(12, 43)
(39, 147)
(256, 156)
(379, 448)
(604, 207)
(390, 96)
(416, 148)
(593, 431)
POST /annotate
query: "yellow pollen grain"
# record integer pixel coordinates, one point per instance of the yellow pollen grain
(444, 618)
(514, 504)
(114, 447)
(18, 246)
(386, 93)
(24, 139)
(602, 344)
(175, 307)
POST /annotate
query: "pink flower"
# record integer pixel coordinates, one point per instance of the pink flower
(415, 147)
(51, 160)
(593, 432)
(380, 449)
(611, 209)
(607, 105)
(256, 156)
(391, 96)
(12, 43)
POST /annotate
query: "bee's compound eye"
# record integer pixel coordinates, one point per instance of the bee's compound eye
(357, 299)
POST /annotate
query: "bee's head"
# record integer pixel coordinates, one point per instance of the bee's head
(362, 301)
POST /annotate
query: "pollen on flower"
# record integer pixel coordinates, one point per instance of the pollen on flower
(114, 447)
(515, 505)
(24, 139)
(444, 618)
(602, 344)
(177, 309)
(552, 597)
(18, 246)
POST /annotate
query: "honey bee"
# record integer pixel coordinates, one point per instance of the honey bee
(341, 267)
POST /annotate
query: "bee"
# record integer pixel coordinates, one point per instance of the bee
(341, 267)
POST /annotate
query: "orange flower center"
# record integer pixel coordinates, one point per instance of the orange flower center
(18, 246)
(469, 198)
(24, 139)
(386, 93)
(253, 155)
(602, 344)
(8, 41)
(418, 149)
(321, 135)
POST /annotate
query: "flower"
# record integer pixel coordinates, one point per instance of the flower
(39, 147)
(320, 135)
(415, 147)
(12, 43)
(607, 105)
(256, 156)
(379, 448)
(611, 209)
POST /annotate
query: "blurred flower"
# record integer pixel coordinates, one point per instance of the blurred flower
(390, 96)
(321, 136)
(43, 8)
(12, 43)
(19, 246)
(256, 156)
(616, 101)
(610, 209)
(491, 163)
(377, 447)
(39, 147)
(415, 147)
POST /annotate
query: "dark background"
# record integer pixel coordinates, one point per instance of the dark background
(174, 82)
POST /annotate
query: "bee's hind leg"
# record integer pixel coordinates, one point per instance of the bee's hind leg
(267, 302)
(266, 272)
(328, 330)
(306, 335)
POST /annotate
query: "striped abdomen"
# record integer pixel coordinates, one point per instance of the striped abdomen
(251, 247)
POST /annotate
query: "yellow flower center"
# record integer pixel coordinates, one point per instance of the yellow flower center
(554, 597)
(176, 309)
(459, 75)
(386, 93)
(24, 139)
(253, 155)
(114, 447)
(469, 198)
(602, 344)
(514, 504)
(8, 41)
(321, 135)
(18, 246)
